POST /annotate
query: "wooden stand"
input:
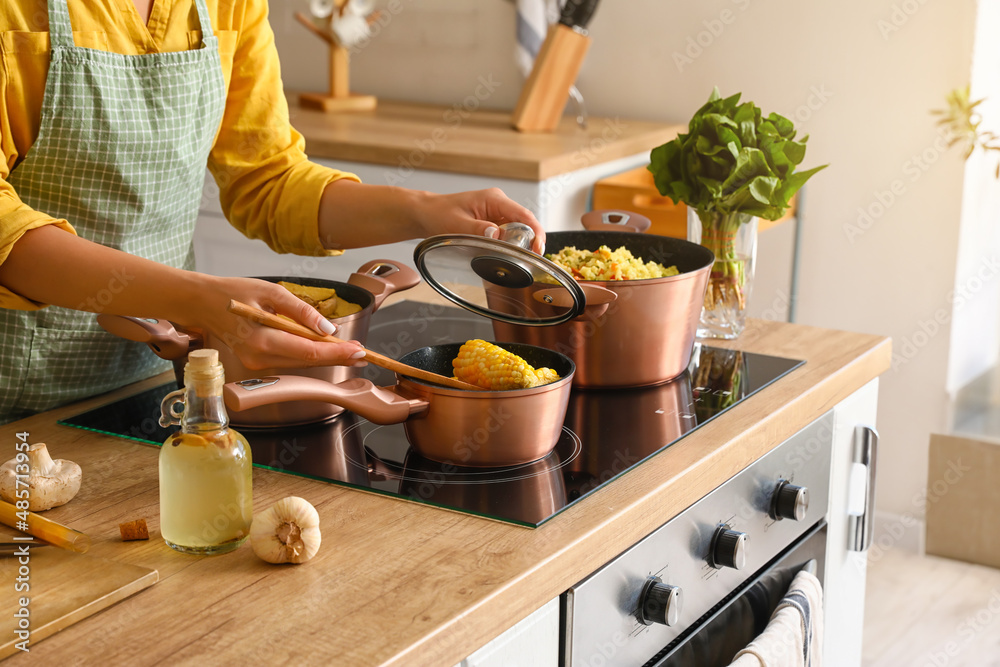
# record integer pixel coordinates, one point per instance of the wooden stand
(545, 93)
(340, 97)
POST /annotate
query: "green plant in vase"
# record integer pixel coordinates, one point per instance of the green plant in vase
(732, 167)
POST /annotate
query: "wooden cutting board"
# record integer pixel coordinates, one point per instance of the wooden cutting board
(65, 588)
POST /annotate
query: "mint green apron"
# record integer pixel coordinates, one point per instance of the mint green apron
(121, 154)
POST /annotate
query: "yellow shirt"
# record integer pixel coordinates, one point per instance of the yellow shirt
(268, 188)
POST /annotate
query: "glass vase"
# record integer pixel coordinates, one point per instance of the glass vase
(732, 237)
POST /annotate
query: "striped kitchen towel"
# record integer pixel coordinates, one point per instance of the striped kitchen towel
(794, 635)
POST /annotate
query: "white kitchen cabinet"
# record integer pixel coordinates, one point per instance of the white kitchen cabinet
(844, 585)
(532, 642)
(558, 203)
(439, 149)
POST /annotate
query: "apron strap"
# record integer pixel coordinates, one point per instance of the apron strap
(60, 28)
(204, 20)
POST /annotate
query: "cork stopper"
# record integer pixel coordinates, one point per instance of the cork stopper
(203, 359)
(203, 373)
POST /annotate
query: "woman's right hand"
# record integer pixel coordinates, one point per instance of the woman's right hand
(258, 346)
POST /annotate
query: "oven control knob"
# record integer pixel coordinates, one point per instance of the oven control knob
(659, 603)
(789, 501)
(728, 549)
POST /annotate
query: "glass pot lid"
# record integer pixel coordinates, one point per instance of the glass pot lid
(499, 280)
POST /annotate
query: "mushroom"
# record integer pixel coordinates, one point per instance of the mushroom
(50, 482)
(286, 532)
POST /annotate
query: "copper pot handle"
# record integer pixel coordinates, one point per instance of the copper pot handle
(376, 404)
(160, 335)
(614, 220)
(598, 298)
(383, 277)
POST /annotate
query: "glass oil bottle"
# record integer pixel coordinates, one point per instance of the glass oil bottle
(206, 487)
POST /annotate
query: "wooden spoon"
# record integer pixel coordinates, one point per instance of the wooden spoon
(288, 326)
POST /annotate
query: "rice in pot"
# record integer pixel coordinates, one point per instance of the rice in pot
(607, 264)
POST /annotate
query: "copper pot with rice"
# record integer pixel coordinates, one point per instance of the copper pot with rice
(619, 332)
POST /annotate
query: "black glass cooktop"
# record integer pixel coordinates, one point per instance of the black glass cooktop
(605, 432)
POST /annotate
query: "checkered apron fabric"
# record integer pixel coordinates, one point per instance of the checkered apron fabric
(121, 154)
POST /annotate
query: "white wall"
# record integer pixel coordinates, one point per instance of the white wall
(860, 76)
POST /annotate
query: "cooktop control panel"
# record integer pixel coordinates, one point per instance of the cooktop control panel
(650, 595)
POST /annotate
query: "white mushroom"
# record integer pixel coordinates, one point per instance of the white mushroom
(49, 483)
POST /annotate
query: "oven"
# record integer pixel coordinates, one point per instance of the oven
(703, 585)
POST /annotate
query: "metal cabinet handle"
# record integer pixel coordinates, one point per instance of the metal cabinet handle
(861, 526)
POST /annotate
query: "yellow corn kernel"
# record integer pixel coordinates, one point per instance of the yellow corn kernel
(491, 367)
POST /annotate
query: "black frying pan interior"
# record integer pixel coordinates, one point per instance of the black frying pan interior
(345, 291)
(438, 358)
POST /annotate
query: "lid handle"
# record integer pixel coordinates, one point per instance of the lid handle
(517, 233)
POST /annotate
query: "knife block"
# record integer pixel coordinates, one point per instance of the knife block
(546, 91)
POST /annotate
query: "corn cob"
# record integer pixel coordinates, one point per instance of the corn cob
(491, 367)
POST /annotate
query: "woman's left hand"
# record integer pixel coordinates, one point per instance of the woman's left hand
(358, 215)
(477, 212)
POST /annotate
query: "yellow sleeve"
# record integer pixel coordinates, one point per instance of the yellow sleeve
(16, 218)
(268, 188)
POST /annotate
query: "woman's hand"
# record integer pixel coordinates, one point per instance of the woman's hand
(357, 215)
(40, 261)
(476, 212)
(258, 346)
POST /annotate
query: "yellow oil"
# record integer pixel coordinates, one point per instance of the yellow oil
(206, 491)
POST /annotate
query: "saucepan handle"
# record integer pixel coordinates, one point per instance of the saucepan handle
(613, 220)
(598, 298)
(160, 335)
(383, 277)
(376, 404)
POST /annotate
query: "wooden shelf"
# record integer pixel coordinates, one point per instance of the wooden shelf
(481, 142)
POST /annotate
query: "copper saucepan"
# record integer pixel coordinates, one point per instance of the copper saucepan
(367, 287)
(461, 427)
(643, 337)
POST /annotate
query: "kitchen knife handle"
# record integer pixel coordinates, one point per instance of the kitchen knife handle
(577, 13)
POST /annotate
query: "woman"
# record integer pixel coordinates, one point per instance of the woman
(109, 113)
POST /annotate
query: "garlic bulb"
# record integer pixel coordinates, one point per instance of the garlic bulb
(286, 532)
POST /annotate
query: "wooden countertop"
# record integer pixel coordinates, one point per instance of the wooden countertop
(480, 142)
(395, 582)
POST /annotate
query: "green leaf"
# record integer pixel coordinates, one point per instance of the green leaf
(763, 188)
(783, 126)
(732, 160)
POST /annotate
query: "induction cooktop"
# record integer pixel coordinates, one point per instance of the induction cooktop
(605, 434)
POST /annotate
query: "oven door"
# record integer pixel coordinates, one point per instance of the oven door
(715, 638)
